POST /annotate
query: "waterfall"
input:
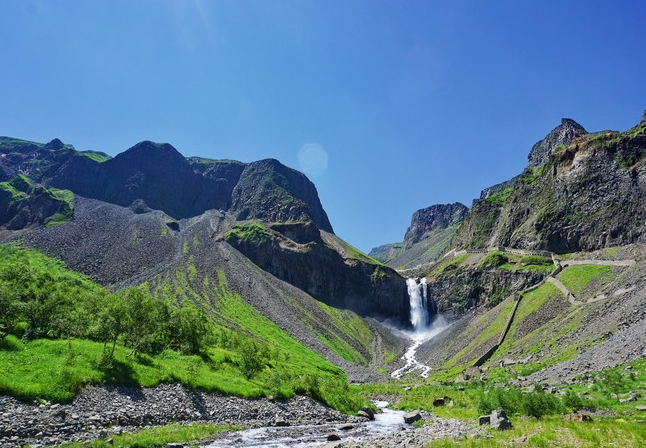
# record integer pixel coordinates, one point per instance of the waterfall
(419, 313)
(423, 309)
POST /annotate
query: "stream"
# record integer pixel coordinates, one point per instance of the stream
(385, 422)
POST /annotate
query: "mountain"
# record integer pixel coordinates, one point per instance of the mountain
(581, 192)
(544, 279)
(150, 216)
(427, 237)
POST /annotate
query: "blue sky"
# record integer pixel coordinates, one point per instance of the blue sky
(389, 106)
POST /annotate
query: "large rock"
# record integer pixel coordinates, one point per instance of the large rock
(412, 417)
(324, 266)
(499, 420)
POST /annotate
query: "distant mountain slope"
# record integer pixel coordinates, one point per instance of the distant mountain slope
(588, 194)
(163, 179)
(427, 237)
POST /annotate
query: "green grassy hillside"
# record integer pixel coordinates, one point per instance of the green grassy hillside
(60, 331)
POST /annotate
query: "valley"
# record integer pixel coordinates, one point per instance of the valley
(152, 299)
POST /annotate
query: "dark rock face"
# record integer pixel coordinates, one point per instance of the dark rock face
(163, 179)
(563, 134)
(157, 174)
(588, 195)
(269, 191)
(325, 268)
(436, 217)
(455, 292)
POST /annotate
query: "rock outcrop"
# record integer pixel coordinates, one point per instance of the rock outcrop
(427, 237)
(563, 134)
(23, 204)
(588, 194)
(431, 219)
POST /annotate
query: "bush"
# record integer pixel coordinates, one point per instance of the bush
(514, 401)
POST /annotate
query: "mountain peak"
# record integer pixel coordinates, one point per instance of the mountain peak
(435, 217)
(55, 144)
(563, 134)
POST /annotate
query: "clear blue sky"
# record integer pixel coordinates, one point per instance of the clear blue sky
(413, 102)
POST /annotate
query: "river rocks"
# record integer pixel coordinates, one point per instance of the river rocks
(499, 420)
(412, 417)
(333, 437)
(104, 412)
(434, 428)
(366, 413)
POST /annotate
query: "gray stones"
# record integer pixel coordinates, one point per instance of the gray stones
(412, 417)
(104, 412)
(366, 413)
(499, 420)
(641, 408)
(484, 420)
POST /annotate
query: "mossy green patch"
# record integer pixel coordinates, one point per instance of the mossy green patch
(577, 278)
(500, 197)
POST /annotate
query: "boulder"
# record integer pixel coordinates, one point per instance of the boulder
(640, 407)
(439, 401)
(484, 420)
(412, 417)
(499, 420)
(333, 437)
(366, 413)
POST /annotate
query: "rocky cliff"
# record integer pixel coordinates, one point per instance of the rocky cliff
(324, 266)
(563, 134)
(427, 237)
(587, 194)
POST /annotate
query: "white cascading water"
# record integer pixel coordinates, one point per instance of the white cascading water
(423, 330)
(418, 304)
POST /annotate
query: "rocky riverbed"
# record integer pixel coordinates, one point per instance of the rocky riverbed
(105, 411)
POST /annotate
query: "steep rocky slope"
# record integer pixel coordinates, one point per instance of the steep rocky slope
(308, 258)
(588, 194)
(427, 237)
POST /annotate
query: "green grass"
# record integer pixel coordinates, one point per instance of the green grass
(253, 233)
(449, 265)
(577, 278)
(157, 436)
(555, 432)
(97, 156)
(500, 197)
(254, 360)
